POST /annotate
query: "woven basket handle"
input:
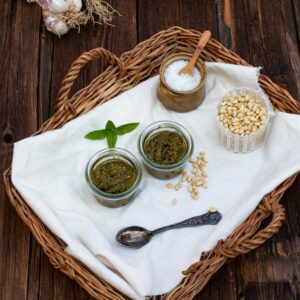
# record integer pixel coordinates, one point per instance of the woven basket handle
(277, 211)
(63, 102)
(239, 245)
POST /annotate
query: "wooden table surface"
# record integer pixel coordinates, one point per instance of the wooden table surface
(32, 65)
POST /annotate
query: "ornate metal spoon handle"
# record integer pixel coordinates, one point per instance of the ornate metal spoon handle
(209, 218)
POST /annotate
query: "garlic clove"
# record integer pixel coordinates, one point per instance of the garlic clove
(42, 3)
(58, 5)
(64, 5)
(60, 28)
(54, 24)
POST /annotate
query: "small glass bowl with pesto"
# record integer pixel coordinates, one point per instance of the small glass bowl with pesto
(165, 147)
(113, 176)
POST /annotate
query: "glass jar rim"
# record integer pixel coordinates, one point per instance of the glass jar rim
(114, 152)
(171, 125)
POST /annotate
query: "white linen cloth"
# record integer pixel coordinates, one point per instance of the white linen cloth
(48, 171)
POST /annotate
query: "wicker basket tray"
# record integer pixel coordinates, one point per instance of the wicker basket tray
(122, 74)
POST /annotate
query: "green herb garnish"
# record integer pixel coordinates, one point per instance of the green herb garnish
(111, 132)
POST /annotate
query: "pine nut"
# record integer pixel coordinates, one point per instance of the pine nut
(169, 186)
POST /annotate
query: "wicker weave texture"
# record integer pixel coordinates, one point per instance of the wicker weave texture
(122, 74)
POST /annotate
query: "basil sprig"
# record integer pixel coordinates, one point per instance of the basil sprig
(111, 132)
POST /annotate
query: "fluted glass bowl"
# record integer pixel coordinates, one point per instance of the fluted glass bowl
(243, 144)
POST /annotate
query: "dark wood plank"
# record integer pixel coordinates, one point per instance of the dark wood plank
(45, 73)
(19, 64)
(225, 22)
(272, 40)
(154, 16)
(222, 285)
(296, 6)
(43, 112)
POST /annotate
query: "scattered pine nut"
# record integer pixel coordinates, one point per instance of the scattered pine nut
(204, 159)
(195, 195)
(196, 178)
(184, 176)
(212, 209)
(198, 174)
(169, 186)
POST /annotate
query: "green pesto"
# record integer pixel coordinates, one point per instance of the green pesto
(113, 176)
(166, 147)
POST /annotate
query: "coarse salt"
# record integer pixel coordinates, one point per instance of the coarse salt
(182, 82)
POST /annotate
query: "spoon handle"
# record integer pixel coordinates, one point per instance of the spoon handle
(201, 44)
(209, 218)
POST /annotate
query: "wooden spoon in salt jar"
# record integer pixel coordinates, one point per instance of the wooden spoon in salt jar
(189, 68)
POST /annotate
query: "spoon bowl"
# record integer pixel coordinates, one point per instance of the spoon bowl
(134, 236)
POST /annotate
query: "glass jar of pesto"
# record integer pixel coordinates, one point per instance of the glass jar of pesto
(165, 147)
(113, 176)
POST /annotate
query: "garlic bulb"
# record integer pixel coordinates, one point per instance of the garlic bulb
(53, 23)
(61, 15)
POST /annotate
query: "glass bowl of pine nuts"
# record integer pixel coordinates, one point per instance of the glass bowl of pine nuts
(243, 117)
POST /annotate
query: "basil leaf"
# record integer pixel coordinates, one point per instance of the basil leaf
(111, 132)
(110, 125)
(126, 128)
(111, 137)
(96, 135)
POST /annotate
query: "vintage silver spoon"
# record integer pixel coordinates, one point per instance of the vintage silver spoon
(136, 236)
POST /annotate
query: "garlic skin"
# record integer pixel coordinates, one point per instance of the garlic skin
(64, 5)
(53, 23)
(57, 5)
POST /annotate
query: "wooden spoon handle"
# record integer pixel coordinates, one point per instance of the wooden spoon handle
(201, 44)
(203, 40)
